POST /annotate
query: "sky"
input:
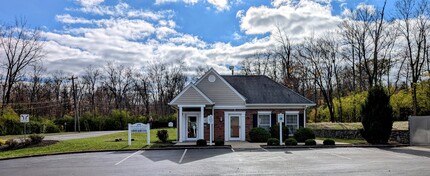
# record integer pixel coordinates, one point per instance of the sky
(137, 33)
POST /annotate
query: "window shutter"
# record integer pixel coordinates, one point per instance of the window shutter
(274, 119)
(301, 120)
(254, 120)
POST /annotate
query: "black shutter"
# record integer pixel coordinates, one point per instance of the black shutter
(254, 120)
(301, 120)
(274, 120)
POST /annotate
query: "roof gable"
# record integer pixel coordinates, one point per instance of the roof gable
(191, 95)
(219, 90)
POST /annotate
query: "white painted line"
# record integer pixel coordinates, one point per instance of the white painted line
(265, 150)
(128, 157)
(182, 157)
(340, 156)
(232, 149)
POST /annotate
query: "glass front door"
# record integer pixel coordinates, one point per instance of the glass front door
(234, 126)
(192, 127)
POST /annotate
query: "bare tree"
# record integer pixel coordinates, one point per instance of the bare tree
(21, 47)
(414, 27)
(91, 77)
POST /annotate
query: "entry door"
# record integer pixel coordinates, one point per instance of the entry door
(192, 126)
(235, 126)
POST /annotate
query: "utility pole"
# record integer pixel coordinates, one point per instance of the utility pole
(74, 100)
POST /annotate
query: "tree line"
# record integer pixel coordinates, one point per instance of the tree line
(368, 49)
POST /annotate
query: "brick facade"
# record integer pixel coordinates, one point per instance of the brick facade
(219, 120)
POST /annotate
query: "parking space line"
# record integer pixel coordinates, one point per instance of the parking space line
(182, 157)
(265, 150)
(232, 149)
(128, 157)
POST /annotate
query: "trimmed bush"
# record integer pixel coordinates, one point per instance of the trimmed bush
(329, 142)
(50, 127)
(162, 135)
(310, 142)
(2, 142)
(274, 131)
(377, 117)
(259, 135)
(302, 134)
(273, 141)
(36, 138)
(201, 142)
(219, 142)
(290, 141)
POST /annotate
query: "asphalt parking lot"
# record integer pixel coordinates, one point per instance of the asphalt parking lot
(304, 161)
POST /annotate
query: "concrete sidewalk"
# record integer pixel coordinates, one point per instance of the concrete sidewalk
(81, 135)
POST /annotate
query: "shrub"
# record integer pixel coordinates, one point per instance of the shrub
(201, 142)
(273, 141)
(162, 135)
(274, 131)
(36, 138)
(50, 127)
(302, 134)
(290, 141)
(10, 124)
(259, 135)
(310, 142)
(12, 143)
(377, 117)
(2, 142)
(219, 142)
(329, 142)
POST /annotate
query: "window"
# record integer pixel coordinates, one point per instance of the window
(264, 120)
(292, 121)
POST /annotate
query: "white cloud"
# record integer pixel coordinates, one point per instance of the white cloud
(236, 36)
(158, 2)
(298, 20)
(87, 3)
(220, 5)
(66, 18)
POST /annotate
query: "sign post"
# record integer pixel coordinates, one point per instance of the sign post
(24, 118)
(211, 123)
(280, 120)
(139, 128)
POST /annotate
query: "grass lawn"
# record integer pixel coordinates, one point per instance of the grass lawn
(349, 141)
(398, 125)
(106, 142)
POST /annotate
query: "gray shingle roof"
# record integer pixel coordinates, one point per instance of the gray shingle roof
(258, 89)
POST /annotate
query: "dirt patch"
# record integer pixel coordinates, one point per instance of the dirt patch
(43, 143)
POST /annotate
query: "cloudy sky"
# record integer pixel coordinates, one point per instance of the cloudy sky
(214, 33)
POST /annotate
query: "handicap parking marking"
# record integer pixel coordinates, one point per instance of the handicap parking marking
(182, 157)
(140, 152)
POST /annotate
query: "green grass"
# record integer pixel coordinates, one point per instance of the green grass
(106, 142)
(398, 125)
(349, 141)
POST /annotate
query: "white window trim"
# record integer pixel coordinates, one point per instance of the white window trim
(264, 113)
(297, 113)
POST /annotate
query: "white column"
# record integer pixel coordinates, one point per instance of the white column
(202, 127)
(181, 125)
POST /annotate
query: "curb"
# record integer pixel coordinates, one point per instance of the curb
(335, 146)
(121, 150)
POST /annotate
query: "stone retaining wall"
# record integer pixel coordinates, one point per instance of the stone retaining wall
(401, 136)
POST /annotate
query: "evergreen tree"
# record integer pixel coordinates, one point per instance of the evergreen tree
(377, 117)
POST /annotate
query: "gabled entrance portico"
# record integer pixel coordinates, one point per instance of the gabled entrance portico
(191, 123)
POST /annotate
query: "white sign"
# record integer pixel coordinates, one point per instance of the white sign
(210, 119)
(170, 124)
(24, 118)
(280, 118)
(139, 128)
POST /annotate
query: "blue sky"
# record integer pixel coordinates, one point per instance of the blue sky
(200, 32)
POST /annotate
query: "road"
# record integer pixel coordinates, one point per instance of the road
(63, 137)
(332, 161)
